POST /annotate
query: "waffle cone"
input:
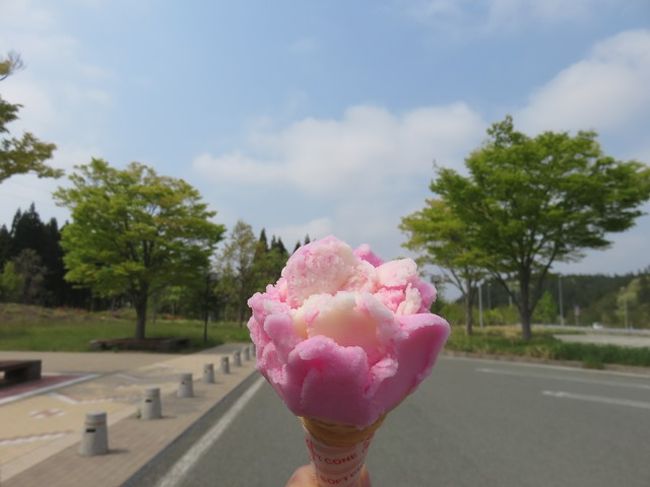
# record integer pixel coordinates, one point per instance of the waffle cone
(336, 434)
(338, 451)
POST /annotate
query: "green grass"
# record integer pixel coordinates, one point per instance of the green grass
(507, 341)
(40, 329)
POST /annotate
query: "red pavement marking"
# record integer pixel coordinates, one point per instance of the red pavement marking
(45, 381)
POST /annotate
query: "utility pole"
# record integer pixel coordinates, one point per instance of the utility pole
(480, 304)
(207, 307)
(559, 291)
(489, 295)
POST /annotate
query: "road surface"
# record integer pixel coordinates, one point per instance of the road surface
(473, 422)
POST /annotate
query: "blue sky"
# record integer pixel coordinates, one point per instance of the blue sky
(323, 116)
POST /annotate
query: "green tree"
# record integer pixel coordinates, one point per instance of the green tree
(441, 239)
(29, 268)
(5, 245)
(134, 232)
(237, 279)
(25, 154)
(531, 201)
(10, 283)
(546, 310)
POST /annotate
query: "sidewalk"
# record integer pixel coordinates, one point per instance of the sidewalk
(39, 434)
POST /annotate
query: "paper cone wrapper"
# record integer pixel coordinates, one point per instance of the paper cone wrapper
(338, 452)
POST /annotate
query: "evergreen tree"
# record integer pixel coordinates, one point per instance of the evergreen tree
(5, 245)
(27, 231)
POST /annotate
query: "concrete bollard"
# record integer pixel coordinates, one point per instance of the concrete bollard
(186, 387)
(208, 374)
(237, 358)
(225, 365)
(94, 438)
(247, 353)
(151, 407)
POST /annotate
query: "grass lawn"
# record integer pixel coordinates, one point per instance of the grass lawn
(40, 329)
(506, 340)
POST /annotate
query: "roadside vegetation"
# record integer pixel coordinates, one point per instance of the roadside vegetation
(71, 330)
(506, 340)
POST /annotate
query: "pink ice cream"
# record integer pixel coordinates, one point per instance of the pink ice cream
(344, 337)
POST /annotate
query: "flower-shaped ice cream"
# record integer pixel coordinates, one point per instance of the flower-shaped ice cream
(344, 337)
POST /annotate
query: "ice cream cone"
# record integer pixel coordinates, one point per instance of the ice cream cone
(338, 451)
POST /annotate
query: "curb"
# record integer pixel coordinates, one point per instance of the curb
(157, 467)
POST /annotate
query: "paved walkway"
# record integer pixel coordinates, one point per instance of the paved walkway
(40, 428)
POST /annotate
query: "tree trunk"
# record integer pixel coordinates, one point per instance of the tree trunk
(469, 319)
(140, 303)
(241, 316)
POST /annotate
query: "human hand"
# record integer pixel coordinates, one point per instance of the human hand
(305, 476)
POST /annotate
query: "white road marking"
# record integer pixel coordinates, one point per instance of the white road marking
(600, 399)
(33, 438)
(187, 461)
(72, 400)
(514, 363)
(41, 390)
(566, 379)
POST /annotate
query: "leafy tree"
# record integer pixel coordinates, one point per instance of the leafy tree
(546, 310)
(10, 283)
(10, 64)
(25, 154)
(134, 232)
(31, 273)
(237, 279)
(531, 201)
(440, 237)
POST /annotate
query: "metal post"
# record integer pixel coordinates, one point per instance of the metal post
(559, 291)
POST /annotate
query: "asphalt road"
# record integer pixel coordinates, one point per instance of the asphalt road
(472, 423)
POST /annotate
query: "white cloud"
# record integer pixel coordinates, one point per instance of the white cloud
(367, 150)
(316, 228)
(606, 91)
